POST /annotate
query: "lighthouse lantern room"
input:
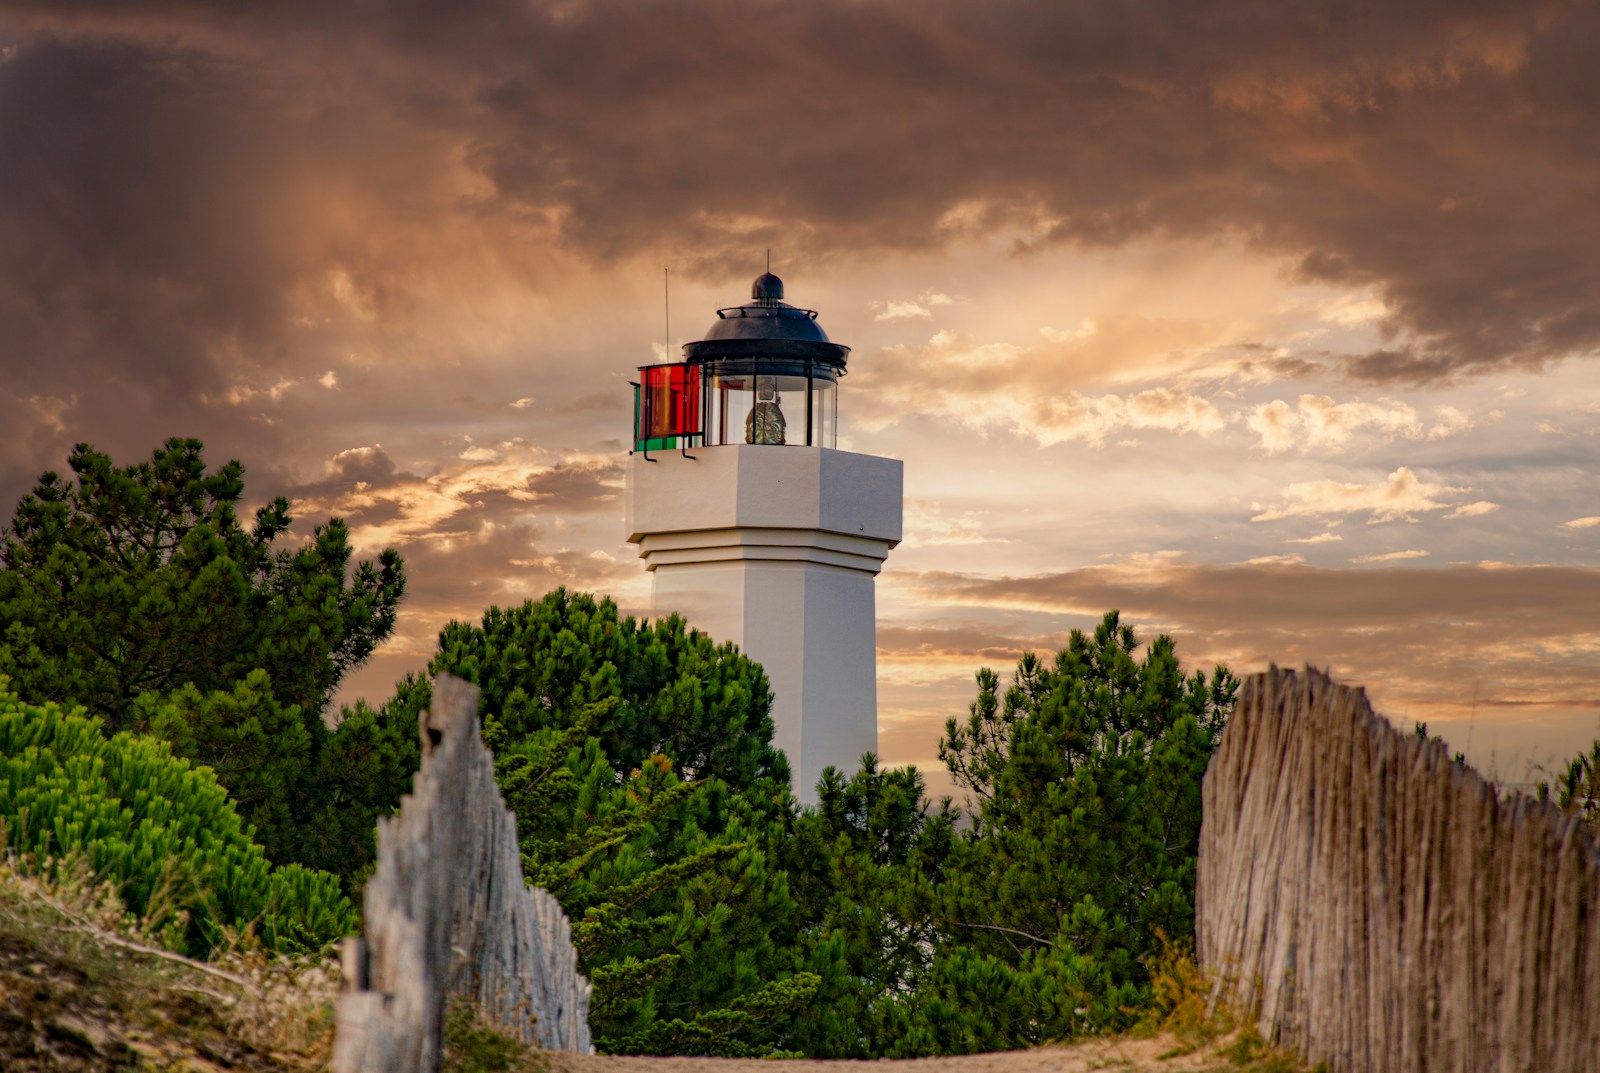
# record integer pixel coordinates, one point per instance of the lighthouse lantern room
(758, 530)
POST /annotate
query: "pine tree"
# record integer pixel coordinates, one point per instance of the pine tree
(136, 593)
(1084, 843)
(679, 694)
(141, 579)
(638, 759)
(862, 866)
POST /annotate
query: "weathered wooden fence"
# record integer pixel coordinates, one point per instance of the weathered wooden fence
(447, 913)
(1380, 906)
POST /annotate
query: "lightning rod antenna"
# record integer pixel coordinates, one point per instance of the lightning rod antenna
(666, 309)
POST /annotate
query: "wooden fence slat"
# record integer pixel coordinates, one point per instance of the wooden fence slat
(1379, 907)
(447, 912)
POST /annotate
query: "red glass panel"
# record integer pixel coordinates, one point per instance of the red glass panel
(671, 400)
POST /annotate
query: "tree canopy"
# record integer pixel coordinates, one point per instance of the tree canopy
(638, 759)
(1084, 844)
(136, 593)
(678, 693)
(141, 579)
(716, 916)
(712, 913)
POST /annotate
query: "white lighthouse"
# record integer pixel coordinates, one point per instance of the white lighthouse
(758, 530)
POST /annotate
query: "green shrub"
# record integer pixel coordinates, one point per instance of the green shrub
(161, 829)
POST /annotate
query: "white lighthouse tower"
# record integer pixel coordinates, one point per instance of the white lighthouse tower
(758, 530)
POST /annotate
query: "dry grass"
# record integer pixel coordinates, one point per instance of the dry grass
(87, 987)
(473, 1043)
(84, 985)
(1204, 1029)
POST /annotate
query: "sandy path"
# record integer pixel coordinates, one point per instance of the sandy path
(1123, 1054)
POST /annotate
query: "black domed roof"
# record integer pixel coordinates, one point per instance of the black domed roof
(767, 326)
(767, 316)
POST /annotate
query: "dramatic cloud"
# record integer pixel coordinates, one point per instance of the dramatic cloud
(1003, 387)
(1111, 277)
(1328, 423)
(1473, 510)
(489, 486)
(1396, 498)
(495, 527)
(1392, 556)
(1456, 643)
(927, 524)
(186, 180)
(901, 310)
(1317, 422)
(922, 307)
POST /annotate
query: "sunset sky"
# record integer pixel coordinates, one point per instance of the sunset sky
(1272, 324)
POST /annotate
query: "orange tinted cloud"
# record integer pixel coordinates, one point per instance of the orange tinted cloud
(1398, 497)
(1513, 649)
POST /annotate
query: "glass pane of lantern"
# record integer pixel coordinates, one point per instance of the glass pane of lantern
(772, 409)
(669, 402)
(824, 413)
(732, 401)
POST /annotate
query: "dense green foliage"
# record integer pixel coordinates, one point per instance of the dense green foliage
(136, 593)
(681, 920)
(862, 866)
(678, 693)
(715, 916)
(1036, 917)
(1084, 844)
(712, 913)
(139, 579)
(158, 827)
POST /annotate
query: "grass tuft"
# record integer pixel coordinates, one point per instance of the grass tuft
(1183, 1004)
(473, 1043)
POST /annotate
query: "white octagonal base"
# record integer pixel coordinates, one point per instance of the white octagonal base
(775, 549)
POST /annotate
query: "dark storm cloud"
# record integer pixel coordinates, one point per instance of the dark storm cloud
(176, 179)
(144, 262)
(121, 197)
(1438, 154)
(99, 297)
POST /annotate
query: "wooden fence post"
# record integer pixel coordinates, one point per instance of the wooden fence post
(447, 912)
(1379, 907)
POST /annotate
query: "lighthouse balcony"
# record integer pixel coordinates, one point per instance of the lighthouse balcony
(748, 493)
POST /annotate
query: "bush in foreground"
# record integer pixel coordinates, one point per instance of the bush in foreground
(161, 830)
